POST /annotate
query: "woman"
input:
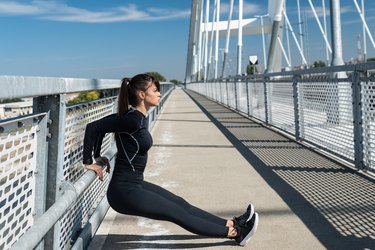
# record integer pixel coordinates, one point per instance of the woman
(128, 193)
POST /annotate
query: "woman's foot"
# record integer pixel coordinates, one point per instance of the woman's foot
(242, 219)
(246, 231)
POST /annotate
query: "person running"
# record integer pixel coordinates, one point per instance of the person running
(128, 192)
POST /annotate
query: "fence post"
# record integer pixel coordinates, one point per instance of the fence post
(296, 108)
(41, 169)
(226, 85)
(235, 94)
(266, 99)
(357, 119)
(220, 91)
(55, 106)
(247, 96)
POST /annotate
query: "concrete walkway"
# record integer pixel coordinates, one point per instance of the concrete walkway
(220, 161)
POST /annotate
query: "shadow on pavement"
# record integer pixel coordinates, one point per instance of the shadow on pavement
(336, 203)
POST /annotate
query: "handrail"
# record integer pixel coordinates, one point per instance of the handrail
(28, 86)
(72, 191)
(23, 86)
(44, 223)
(332, 112)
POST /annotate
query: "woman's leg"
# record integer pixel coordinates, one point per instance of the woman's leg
(184, 204)
(149, 203)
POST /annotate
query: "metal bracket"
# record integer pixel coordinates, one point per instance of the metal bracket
(66, 185)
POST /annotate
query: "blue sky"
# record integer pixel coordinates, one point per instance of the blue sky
(114, 38)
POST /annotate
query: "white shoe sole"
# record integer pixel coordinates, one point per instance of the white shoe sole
(251, 213)
(252, 232)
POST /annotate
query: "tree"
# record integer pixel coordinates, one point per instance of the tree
(10, 100)
(371, 59)
(157, 76)
(176, 82)
(85, 96)
(318, 64)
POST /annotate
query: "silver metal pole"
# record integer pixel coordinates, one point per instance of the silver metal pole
(264, 43)
(274, 37)
(263, 40)
(287, 40)
(295, 38)
(284, 53)
(364, 34)
(239, 47)
(364, 23)
(320, 26)
(226, 50)
(200, 42)
(191, 42)
(217, 39)
(325, 29)
(212, 38)
(336, 33)
(300, 25)
(206, 41)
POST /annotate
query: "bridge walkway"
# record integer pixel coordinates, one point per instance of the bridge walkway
(220, 161)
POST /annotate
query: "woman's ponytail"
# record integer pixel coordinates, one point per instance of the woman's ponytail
(123, 98)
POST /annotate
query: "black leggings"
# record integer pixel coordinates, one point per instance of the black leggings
(129, 194)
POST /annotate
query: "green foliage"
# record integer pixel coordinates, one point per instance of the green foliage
(251, 69)
(157, 76)
(85, 96)
(175, 82)
(318, 64)
(10, 100)
(371, 59)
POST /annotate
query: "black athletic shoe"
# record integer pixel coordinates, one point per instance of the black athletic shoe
(242, 219)
(245, 232)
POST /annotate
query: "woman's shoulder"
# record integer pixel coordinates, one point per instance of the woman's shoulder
(134, 117)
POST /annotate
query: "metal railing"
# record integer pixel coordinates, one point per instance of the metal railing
(330, 108)
(47, 199)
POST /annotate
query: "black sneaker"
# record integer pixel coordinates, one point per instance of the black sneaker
(245, 232)
(242, 219)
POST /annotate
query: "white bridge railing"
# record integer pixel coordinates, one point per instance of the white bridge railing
(48, 201)
(330, 108)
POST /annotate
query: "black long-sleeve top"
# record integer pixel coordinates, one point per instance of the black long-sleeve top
(133, 139)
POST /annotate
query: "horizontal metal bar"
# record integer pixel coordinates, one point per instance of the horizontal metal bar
(92, 226)
(24, 86)
(318, 70)
(44, 223)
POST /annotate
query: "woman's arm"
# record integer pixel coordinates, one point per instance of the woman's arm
(95, 132)
(98, 166)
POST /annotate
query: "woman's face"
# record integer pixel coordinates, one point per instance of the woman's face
(152, 95)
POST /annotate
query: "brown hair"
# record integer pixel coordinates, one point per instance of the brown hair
(129, 88)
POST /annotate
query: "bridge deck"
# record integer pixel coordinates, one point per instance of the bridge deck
(221, 161)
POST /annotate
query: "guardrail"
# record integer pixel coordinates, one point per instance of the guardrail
(331, 108)
(43, 186)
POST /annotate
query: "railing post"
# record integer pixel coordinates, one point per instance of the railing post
(56, 107)
(247, 97)
(226, 85)
(357, 120)
(296, 108)
(220, 90)
(265, 87)
(235, 94)
(41, 169)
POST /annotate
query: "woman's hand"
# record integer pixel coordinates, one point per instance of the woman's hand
(104, 162)
(97, 167)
